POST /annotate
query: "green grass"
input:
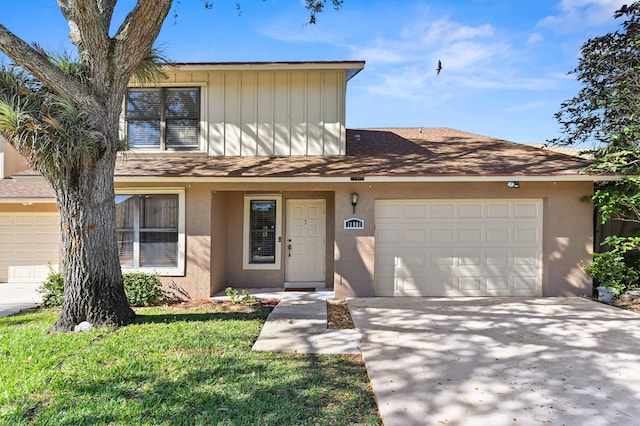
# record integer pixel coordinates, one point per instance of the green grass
(172, 367)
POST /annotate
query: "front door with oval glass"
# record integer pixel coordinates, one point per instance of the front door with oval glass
(305, 241)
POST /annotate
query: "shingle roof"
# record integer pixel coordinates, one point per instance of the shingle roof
(412, 152)
(25, 190)
(376, 152)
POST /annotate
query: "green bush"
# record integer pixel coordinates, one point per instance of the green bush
(618, 267)
(142, 289)
(609, 270)
(52, 289)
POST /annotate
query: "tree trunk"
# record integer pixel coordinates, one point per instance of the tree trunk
(93, 289)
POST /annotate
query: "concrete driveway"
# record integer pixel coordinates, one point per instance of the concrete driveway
(499, 361)
(15, 297)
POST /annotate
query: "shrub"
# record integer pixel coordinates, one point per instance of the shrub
(52, 289)
(609, 270)
(618, 267)
(143, 289)
(232, 293)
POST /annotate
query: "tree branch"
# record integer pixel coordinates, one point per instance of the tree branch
(89, 28)
(42, 68)
(135, 37)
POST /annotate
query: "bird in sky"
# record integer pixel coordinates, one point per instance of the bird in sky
(439, 67)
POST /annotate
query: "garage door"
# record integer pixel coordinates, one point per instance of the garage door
(458, 248)
(28, 242)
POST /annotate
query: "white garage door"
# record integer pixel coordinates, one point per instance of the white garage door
(28, 242)
(458, 248)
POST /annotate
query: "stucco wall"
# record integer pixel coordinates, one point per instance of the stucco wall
(214, 220)
(197, 279)
(13, 162)
(238, 277)
(567, 229)
(219, 241)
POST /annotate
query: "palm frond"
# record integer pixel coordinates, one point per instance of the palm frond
(153, 68)
(49, 131)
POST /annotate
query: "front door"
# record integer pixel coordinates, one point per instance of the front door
(305, 241)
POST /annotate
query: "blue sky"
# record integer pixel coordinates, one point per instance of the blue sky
(505, 62)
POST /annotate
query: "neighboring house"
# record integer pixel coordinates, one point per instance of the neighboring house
(244, 175)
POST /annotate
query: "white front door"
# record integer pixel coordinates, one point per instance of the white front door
(305, 241)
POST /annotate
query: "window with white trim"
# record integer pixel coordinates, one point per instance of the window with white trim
(261, 242)
(163, 118)
(150, 230)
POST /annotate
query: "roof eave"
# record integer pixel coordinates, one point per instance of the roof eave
(365, 178)
(352, 67)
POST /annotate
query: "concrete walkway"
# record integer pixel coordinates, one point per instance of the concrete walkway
(16, 297)
(298, 324)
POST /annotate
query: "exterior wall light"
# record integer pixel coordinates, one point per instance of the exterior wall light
(513, 184)
(354, 201)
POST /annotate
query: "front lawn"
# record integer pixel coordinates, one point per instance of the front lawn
(172, 367)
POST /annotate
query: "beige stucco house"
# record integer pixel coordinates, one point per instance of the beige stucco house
(244, 175)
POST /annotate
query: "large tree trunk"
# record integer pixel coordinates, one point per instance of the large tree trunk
(93, 288)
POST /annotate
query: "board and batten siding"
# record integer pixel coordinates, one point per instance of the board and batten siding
(275, 112)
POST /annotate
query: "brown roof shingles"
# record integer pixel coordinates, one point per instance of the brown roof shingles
(370, 152)
(375, 152)
(25, 190)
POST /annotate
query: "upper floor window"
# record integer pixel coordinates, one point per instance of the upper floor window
(163, 118)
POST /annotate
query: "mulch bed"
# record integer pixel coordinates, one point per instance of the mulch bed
(226, 305)
(338, 315)
(634, 305)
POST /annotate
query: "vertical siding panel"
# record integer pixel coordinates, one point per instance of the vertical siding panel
(341, 88)
(183, 77)
(215, 93)
(232, 113)
(281, 111)
(248, 108)
(330, 105)
(198, 77)
(298, 111)
(265, 113)
(314, 113)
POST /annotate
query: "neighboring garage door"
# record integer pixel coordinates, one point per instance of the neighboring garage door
(28, 242)
(458, 248)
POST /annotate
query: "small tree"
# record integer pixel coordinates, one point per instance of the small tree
(606, 111)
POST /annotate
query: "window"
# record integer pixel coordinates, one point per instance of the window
(261, 248)
(262, 228)
(150, 231)
(165, 118)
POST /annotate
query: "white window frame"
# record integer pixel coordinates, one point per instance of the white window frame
(203, 131)
(179, 269)
(248, 198)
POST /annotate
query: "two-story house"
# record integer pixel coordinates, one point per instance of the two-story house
(244, 175)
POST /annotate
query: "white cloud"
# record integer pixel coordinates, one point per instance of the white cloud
(447, 32)
(527, 107)
(576, 14)
(472, 58)
(534, 38)
(402, 61)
